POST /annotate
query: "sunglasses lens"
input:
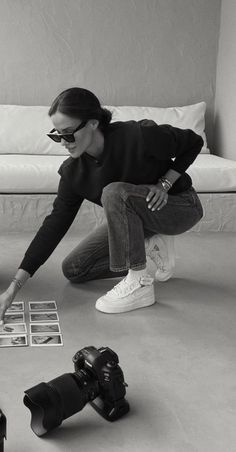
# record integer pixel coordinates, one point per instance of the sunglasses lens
(69, 138)
(55, 137)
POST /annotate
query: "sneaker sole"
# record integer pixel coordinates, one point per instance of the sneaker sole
(141, 302)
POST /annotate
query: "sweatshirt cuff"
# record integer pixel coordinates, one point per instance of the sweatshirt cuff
(29, 265)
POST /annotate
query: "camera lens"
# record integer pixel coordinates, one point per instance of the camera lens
(50, 403)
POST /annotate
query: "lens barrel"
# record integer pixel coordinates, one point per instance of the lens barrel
(53, 402)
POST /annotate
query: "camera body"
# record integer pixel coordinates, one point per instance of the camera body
(98, 380)
(102, 363)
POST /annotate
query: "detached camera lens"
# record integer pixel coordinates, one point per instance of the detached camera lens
(50, 403)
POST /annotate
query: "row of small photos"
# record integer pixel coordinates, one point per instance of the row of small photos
(44, 328)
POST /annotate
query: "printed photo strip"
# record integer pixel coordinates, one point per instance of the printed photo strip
(13, 341)
(14, 328)
(42, 306)
(16, 306)
(46, 340)
(44, 317)
(14, 318)
(44, 328)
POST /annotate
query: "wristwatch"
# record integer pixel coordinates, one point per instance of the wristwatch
(166, 184)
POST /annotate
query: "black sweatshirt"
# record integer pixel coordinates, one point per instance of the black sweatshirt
(138, 152)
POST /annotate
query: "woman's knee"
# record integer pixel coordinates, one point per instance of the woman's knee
(111, 191)
(71, 271)
(66, 269)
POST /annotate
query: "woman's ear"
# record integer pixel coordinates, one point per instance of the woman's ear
(94, 123)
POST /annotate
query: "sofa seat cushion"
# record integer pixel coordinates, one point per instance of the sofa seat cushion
(38, 173)
(211, 173)
(29, 173)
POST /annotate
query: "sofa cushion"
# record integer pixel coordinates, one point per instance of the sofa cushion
(38, 173)
(187, 117)
(24, 128)
(23, 131)
(211, 173)
(29, 173)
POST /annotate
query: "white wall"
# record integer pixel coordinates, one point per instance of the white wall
(225, 104)
(137, 52)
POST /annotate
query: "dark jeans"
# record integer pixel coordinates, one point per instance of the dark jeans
(118, 244)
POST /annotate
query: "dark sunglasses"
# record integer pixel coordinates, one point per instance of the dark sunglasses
(69, 137)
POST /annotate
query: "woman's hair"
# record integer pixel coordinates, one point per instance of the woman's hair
(82, 104)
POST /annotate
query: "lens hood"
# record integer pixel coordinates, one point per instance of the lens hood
(43, 403)
(50, 403)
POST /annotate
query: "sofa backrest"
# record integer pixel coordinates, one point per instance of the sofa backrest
(187, 117)
(23, 129)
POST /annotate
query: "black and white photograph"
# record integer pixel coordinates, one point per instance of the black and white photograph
(44, 317)
(13, 341)
(42, 306)
(46, 340)
(16, 306)
(118, 225)
(18, 317)
(13, 328)
(44, 328)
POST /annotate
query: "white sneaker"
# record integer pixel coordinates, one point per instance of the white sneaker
(160, 249)
(126, 296)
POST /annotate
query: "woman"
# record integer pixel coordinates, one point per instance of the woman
(136, 171)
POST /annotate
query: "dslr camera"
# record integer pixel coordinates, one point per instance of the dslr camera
(98, 379)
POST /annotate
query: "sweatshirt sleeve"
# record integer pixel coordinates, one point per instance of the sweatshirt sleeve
(166, 142)
(53, 229)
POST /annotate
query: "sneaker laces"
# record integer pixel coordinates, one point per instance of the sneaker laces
(124, 287)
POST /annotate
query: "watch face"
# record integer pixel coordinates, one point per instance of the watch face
(165, 185)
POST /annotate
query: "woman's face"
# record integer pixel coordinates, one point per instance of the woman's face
(83, 138)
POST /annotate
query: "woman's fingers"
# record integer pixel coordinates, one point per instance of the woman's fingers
(158, 201)
(153, 201)
(150, 195)
(160, 206)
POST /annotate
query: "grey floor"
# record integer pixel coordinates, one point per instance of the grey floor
(178, 356)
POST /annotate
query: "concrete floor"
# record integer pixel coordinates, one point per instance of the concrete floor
(178, 356)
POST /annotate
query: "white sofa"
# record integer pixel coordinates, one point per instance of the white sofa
(29, 161)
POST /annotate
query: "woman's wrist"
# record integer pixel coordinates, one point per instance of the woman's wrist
(165, 184)
(12, 289)
(17, 282)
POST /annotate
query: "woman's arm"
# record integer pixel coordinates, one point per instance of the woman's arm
(171, 176)
(54, 227)
(166, 142)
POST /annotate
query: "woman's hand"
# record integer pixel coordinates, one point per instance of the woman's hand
(157, 197)
(6, 299)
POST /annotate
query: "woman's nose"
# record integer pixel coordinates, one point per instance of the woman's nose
(63, 142)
